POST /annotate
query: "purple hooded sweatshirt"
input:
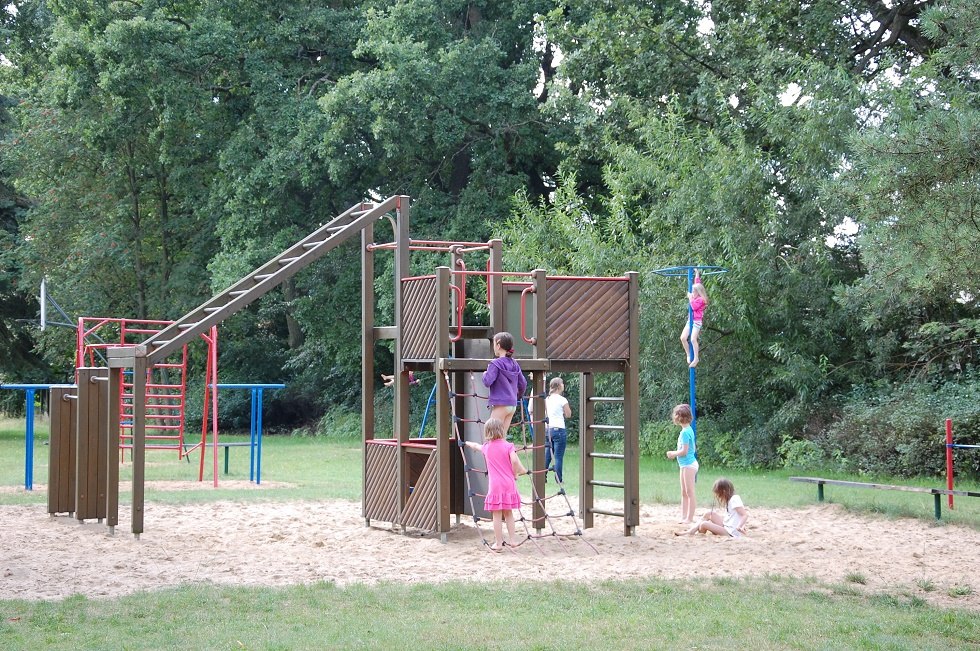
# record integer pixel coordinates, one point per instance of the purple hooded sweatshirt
(506, 382)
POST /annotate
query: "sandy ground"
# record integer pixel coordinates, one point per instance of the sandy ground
(278, 544)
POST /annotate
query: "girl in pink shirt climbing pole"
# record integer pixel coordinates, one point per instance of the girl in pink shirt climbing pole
(698, 298)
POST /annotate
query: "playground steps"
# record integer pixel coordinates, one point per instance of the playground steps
(270, 275)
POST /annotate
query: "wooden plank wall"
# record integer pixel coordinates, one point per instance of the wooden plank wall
(61, 451)
(588, 319)
(92, 443)
(422, 509)
(418, 331)
(381, 482)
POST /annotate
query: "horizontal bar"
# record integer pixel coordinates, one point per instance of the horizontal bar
(600, 399)
(616, 428)
(605, 512)
(607, 484)
(605, 455)
(469, 364)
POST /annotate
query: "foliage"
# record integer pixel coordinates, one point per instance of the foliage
(900, 430)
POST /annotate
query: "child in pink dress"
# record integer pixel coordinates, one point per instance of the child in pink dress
(503, 468)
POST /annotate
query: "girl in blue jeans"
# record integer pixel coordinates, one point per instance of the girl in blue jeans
(557, 408)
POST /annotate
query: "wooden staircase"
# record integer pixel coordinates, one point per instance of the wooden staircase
(265, 278)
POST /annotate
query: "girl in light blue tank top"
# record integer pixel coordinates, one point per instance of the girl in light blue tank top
(686, 459)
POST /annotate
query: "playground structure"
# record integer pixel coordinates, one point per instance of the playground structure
(562, 324)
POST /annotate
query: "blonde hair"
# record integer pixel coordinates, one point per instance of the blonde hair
(682, 414)
(493, 429)
(698, 288)
(723, 490)
(556, 384)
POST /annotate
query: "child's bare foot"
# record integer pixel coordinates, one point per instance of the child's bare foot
(694, 363)
(496, 548)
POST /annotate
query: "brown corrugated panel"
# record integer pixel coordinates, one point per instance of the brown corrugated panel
(419, 319)
(61, 452)
(588, 319)
(422, 509)
(381, 483)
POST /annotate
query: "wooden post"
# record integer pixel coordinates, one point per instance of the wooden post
(139, 442)
(631, 414)
(367, 359)
(112, 453)
(91, 434)
(540, 349)
(498, 300)
(586, 447)
(444, 444)
(402, 398)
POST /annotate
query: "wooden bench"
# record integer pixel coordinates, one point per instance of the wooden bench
(937, 493)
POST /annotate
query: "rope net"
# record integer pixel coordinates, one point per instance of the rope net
(558, 520)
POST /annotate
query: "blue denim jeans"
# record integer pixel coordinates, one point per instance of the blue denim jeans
(555, 445)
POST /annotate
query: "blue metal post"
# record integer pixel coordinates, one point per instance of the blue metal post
(258, 436)
(692, 372)
(252, 442)
(29, 455)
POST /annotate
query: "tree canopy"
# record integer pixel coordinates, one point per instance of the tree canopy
(825, 153)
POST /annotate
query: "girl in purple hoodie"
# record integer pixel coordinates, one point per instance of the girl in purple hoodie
(505, 380)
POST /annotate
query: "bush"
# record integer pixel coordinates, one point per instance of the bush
(901, 430)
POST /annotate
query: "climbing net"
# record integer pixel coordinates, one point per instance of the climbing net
(548, 525)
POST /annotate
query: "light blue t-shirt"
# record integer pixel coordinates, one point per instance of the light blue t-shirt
(686, 436)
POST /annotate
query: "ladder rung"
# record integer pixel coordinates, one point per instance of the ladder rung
(161, 343)
(607, 484)
(286, 261)
(238, 292)
(601, 399)
(604, 455)
(261, 277)
(186, 326)
(605, 512)
(607, 427)
(310, 245)
(214, 309)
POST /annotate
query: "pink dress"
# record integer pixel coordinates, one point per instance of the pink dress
(502, 492)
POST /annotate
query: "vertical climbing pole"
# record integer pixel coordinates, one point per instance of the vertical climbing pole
(692, 372)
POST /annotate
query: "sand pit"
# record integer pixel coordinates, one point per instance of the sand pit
(278, 544)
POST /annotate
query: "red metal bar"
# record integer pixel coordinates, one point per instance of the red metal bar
(459, 313)
(949, 459)
(494, 273)
(474, 248)
(418, 278)
(447, 242)
(527, 290)
(392, 245)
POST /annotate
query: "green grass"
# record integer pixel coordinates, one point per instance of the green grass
(772, 612)
(760, 614)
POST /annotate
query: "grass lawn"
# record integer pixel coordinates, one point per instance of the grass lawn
(767, 612)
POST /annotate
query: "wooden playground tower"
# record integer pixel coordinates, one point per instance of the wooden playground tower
(560, 325)
(585, 325)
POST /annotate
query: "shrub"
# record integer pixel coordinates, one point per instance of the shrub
(901, 431)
